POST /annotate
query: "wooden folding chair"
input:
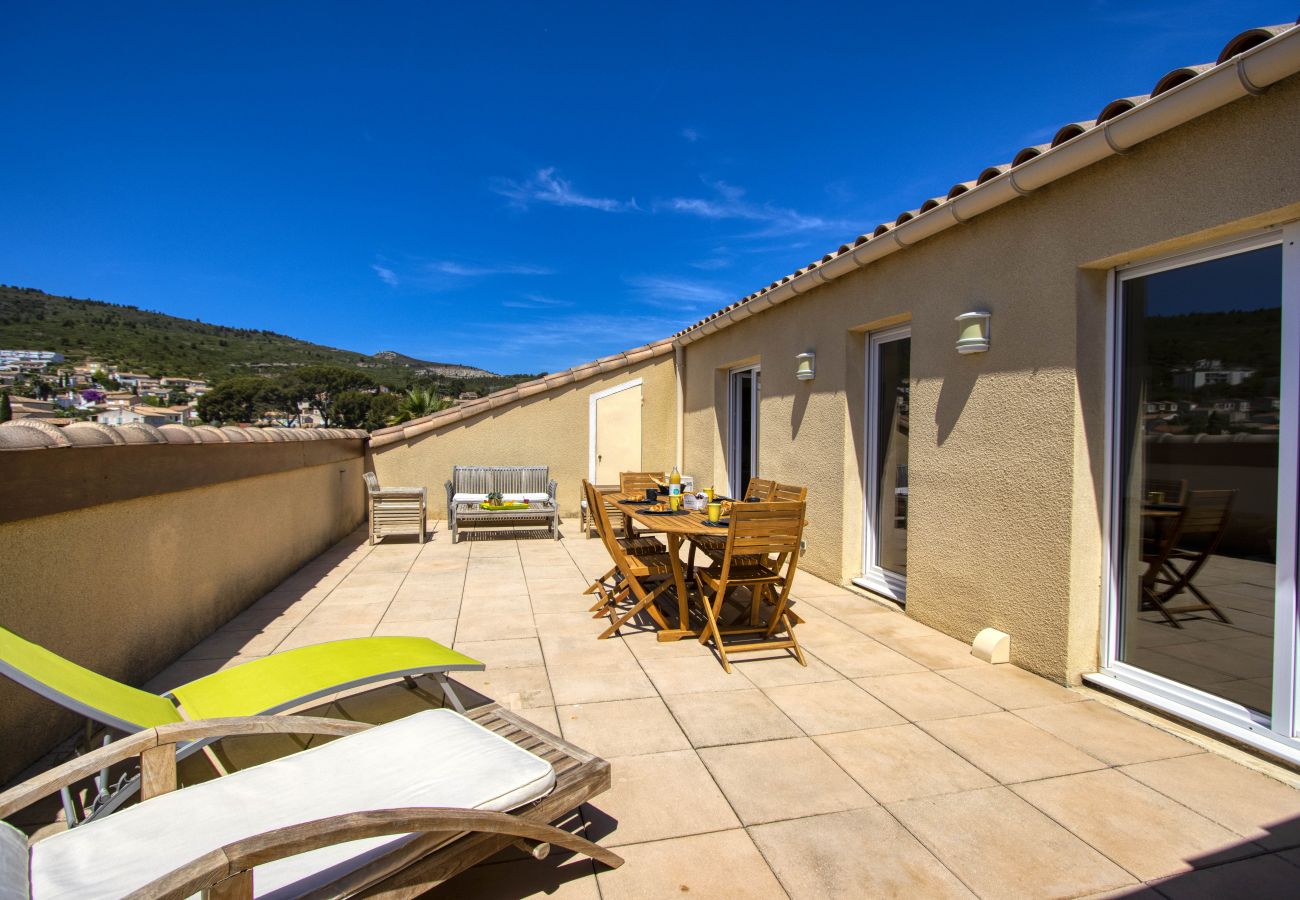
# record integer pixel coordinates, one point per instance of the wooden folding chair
(762, 554)
(610, 587)
(633, 570)
(1192, 541)
(714, 545)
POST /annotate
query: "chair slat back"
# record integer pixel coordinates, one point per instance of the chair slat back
(600, 518)
(505, 479)
(759, 487)
(1206, 513)
(637, 482)
(765, 529)
(787, 493)
(1173, 489)
(372, 483)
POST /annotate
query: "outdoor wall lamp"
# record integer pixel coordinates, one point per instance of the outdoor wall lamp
(974, 337)
(805, 366)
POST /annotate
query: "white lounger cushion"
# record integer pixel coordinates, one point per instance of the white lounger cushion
(509, 498)
(433, 758)
(13, 863)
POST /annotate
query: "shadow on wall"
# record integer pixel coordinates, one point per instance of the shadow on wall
(953, 394)
(802, 391)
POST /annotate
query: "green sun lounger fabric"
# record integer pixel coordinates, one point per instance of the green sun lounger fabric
(286, 679)
(266, 685)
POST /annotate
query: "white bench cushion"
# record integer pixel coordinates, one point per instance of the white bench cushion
(13, 863)
(526, 498)
(468, 498)
(433, 758)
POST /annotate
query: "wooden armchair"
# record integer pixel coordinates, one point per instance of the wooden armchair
(398, 510)
(298, 836)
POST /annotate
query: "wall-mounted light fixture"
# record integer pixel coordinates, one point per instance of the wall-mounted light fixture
(805, 366)
(974, 337)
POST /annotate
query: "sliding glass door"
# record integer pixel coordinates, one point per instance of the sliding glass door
(1203, 553)
(742, 454)
(884, 568)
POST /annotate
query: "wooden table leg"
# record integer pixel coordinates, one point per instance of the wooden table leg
(683, 628)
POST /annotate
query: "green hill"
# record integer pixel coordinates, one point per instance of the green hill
(158, 344)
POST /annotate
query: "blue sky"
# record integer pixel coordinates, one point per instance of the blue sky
(516, 185)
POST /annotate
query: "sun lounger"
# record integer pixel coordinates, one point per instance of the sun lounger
(268, 685)
(395, 808)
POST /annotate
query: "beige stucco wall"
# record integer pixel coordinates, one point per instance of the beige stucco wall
(1006, 447)
(124, 588)
(550, 428)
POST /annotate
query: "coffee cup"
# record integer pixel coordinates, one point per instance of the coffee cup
(652, 494)
(715, 512)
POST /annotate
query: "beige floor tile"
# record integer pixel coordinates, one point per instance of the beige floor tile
(1111, 736)
(523, 878)
(1251, 804)
(362, 616)
(266, 614)
(575, 625)
(855, 854)
(508, 654)
(441, 630)
(1258, 877)
(524, 686)
(922, 696)
(771, 671)
(1012, 688)
(730, 717)
(647, 648)
(230, 642)
(433, 607)
(693, 674)
(772, 780)
(567, 652)
(1000, 846)
(380, 582)
(861, 658)
(830, 706)
(657, 796)
(622, 727)
(306, 634)
(543, 716)
(901, 762)
(1009, 748)
(937, 651)
(578, 686)
(477, 625)
(689, 866)
(1145, 832)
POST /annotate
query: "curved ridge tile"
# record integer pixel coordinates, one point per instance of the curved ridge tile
(1250, 38)
(1172, 79)
(1070, 131)
(54, 431)
(22, 437)
(1117, 108)
(141, 433)
(1028, 153)
(990, 173)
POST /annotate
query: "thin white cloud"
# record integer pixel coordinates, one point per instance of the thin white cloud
(690, 134)
(729, 202)
(534, 301)
(676, 293)
(547, 187)
(480, 270)
(712, 263)
(387, 275)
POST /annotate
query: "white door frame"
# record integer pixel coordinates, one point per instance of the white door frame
(733, 428)
(873, 577)
(1276, 734)
(591, 422)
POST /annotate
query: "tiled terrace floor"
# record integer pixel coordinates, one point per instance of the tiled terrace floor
(895, 764)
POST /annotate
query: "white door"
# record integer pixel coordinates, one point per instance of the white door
(615, 432)
(1201, 567)
(884, 565)
(742, 453)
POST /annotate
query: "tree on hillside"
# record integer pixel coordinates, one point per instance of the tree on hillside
(6, 408)
(321, 387)
(242, 400)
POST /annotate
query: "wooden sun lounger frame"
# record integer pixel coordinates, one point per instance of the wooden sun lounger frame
(449, 842)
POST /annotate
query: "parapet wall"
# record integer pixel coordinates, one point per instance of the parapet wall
(121, 548)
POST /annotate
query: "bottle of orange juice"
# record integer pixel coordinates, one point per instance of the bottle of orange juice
(675, 482)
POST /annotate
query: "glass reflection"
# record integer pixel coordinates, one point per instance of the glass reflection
(891, 454)
(1199, 414)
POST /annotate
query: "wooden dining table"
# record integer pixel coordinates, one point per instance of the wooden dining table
(675, 527)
